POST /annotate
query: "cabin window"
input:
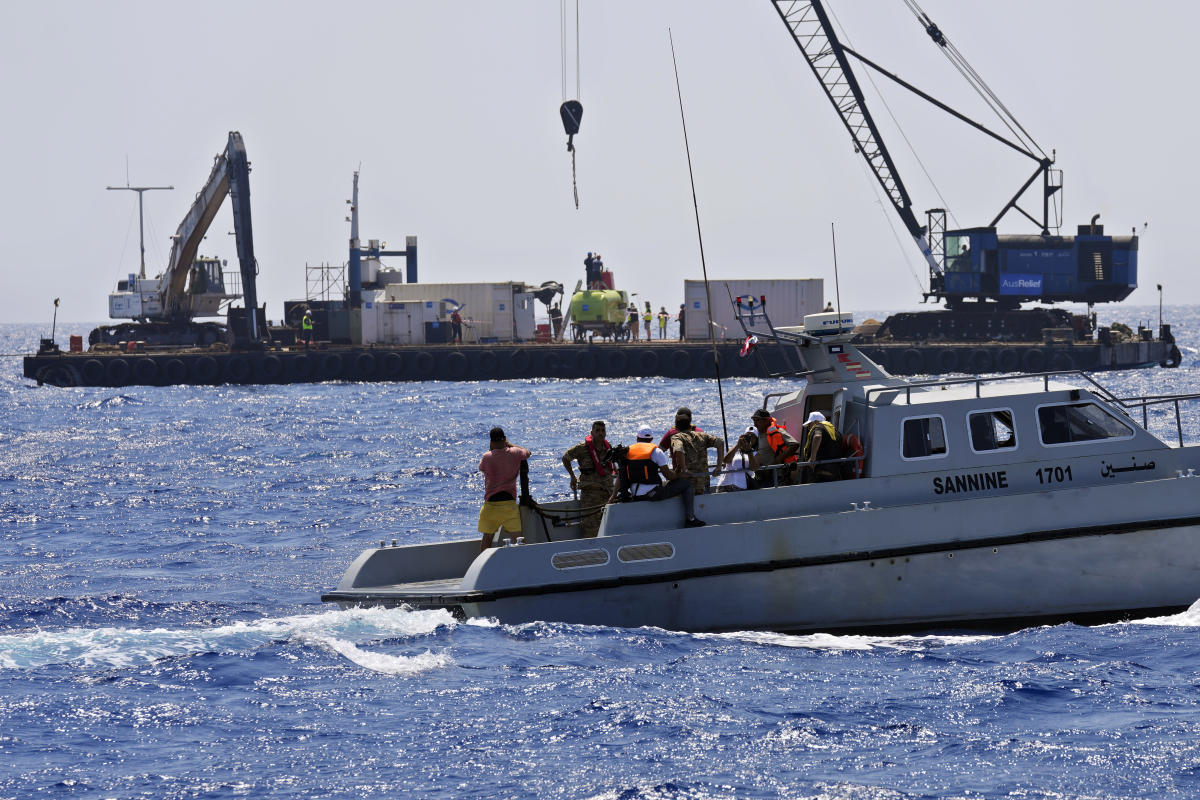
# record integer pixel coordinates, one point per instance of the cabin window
(1079, 422)
(991, 430)
(958, 253)
(923, 437)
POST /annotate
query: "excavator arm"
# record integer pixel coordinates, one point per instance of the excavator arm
(230, 175)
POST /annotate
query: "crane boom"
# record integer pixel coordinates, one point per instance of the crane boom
(813, 33)
(977, 264)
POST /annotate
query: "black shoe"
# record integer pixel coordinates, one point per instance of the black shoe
(693, 523)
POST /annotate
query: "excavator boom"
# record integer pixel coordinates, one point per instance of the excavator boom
(230, 176)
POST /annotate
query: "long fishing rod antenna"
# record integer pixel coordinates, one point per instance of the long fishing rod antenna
(703, 265)
(837, 288)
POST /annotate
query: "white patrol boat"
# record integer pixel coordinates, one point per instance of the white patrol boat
(979, 502)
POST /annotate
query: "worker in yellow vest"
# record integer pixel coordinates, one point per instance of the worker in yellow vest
(306, 328)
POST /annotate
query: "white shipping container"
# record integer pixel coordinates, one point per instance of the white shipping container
(387, 322)
(789, 300)
(500, 311)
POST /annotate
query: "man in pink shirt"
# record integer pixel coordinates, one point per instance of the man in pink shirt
(500, 466)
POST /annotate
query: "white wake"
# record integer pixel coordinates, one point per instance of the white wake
(341, 631)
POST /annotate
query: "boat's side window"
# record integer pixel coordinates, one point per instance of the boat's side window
(923, 437)
(991, 430)
(1079, 422)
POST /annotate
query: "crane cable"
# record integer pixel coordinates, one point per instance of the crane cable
(903, 135)
(973, 78)
(571, 110)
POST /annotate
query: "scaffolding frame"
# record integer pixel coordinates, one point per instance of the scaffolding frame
(323, 280)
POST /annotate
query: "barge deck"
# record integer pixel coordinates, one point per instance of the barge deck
(669, 359)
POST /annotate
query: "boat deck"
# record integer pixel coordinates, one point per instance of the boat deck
(441, 593)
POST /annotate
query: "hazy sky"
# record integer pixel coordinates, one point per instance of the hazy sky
(451, 109)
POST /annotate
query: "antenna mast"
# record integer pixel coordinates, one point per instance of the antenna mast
(141, 224)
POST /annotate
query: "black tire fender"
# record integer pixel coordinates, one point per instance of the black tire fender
(1063, 361)
(331, 366)
(364, 366)
(551, 365)
(946, 360)
(486, 363)
(457, 366)
(681, 364)
(270, 369)
(423, 364)
(1033, 360)
(205, 369)
(237, 369)
(117, 372)
(979, 361)
(616, 362)
(300, 367)
(1007, 360)
(585, 364)
(174, 372)
(92, 372)
(912, 362)
(61, 375)
(145, 371)
(393, 365)
(647, 362)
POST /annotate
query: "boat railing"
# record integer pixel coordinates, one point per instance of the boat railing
(781, 474)
(1128, 405)
(750, 316)
(1132, 404)
(975, 380)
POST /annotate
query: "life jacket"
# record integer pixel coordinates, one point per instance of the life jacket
(831, 447)
(775, 440)
(638, 466)
(647, 316)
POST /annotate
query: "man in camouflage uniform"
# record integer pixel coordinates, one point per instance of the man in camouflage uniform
(595, 481)
(689, 451)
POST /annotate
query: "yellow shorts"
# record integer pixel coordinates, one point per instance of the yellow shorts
(497, 514)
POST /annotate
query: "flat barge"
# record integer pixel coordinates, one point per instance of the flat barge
(293, 364)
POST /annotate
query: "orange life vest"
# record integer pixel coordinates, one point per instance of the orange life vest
(775, 440)
(638, 466)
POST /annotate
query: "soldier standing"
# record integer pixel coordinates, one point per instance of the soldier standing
(689, 451)
(595, 481)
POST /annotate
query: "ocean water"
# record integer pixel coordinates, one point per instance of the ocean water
(162, 553)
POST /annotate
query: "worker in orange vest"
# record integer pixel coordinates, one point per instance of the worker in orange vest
(775, 447)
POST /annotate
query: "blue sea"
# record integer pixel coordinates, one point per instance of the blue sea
(163, 550)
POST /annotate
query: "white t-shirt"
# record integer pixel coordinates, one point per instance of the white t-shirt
(660, 459)
(735, 473)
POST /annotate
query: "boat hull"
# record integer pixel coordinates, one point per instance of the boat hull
(968, 586)
(961, 564)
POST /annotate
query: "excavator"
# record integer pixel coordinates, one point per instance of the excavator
(164, 309)
(981, 275)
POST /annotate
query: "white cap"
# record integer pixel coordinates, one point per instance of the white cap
(753, 430)
(645, 432)
(815, 416)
